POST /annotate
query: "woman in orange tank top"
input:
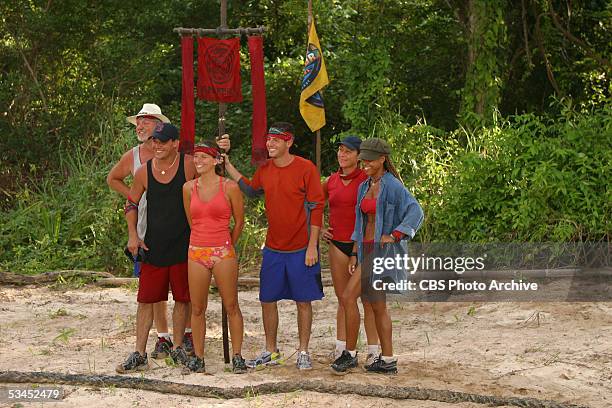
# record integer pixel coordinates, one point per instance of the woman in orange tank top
(210, 202)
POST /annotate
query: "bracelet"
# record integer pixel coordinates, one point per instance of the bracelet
(129, 207)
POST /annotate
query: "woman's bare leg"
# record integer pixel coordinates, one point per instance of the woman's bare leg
(384, 327)
(338, 264)
(199, 282)
(351, 310)
(226, 278)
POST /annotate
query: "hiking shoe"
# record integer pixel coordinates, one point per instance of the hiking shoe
(134, 362)
(379, 366)
(163, 347)
(344, 364)
(179, 356)
(303, 361)
(238, 364)
(194, 365)
(264, 359)
(370, 359)
(188, 344)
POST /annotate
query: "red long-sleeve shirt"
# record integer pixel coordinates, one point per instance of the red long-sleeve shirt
(286, 189)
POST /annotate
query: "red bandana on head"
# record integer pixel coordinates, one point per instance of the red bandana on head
(211, 151)
(279, 133)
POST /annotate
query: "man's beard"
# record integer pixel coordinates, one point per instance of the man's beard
(142, 137)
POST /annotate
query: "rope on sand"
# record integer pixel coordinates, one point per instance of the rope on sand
(282, 387)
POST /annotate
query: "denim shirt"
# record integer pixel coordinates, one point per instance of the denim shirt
(396, 209)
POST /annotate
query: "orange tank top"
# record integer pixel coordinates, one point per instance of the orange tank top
(210, 219)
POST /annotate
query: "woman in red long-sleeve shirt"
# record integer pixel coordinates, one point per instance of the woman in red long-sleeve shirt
(341, 192)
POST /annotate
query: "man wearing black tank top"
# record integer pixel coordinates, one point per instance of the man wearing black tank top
(145, 121)
(165, 243)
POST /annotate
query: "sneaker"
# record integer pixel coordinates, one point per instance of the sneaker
(344, 364)
(188, 344)
(303, 361)
(370, 359)
(194, 365)
(134, 362)
(238, 364)
(379, 366)
(163, 347)
(264, 359)
(179, 356)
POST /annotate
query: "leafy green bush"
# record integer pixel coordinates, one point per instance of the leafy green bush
(423, 156)
(70, 219)
(526, 178)
(532, 179)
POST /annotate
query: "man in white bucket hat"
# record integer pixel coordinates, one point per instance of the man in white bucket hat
(145, 121)
(150, 110)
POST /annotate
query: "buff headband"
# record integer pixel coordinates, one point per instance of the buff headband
(281, 134)
(211, 151)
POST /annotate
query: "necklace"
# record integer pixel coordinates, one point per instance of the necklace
(163, 172)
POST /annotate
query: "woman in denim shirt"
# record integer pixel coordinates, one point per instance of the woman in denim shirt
(386, 212)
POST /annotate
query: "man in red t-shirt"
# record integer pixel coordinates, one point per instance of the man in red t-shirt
(290, 267)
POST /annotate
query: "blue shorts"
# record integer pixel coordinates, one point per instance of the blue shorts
(284, 275)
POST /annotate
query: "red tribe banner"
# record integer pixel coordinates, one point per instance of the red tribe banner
(219, 70)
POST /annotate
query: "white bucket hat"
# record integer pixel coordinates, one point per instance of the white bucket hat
(149, 109)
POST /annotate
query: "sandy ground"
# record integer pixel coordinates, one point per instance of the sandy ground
(488, 348)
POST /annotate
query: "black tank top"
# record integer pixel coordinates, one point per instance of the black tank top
(168, 232)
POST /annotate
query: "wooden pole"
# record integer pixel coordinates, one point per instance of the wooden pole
(318, 132)
(318, 149)
(219, 31)
(222, 106)
(222, 110)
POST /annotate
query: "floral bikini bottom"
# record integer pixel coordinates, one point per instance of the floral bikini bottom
(210, 256)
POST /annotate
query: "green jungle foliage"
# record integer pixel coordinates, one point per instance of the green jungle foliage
(499, 112)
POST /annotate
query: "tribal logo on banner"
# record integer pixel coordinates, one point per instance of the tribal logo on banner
(311, 70)
(219, 61)
(219, 70)
(314, 79)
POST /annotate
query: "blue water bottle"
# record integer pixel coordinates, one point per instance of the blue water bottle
(136, 268)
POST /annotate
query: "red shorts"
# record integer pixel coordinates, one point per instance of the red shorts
(154, 281)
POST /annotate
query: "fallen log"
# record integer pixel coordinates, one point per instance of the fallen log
(7, 278)
(243, 282)
(106, 279)
(282, 387)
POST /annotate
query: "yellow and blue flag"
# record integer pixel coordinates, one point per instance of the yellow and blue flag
(315, 78)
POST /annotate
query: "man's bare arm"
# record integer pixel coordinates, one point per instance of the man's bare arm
(231, 170)
(116, 177)
(312, 251)
(131, 214)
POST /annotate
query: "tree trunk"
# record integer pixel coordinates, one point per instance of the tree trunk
(485, 34)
